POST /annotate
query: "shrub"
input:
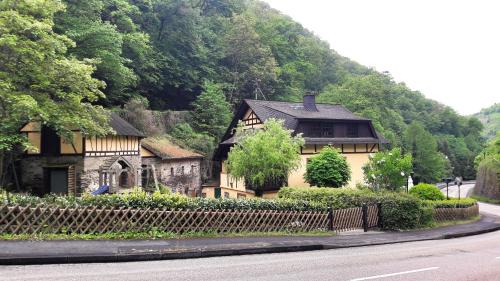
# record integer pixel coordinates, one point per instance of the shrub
(453, 203)
(328, 169)
(426, 191)
(141, 199)
(399, 210)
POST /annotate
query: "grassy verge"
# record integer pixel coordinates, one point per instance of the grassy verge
(155, 235)
(486, 199)
(456, 222)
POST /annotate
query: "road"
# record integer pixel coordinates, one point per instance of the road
(465, 190)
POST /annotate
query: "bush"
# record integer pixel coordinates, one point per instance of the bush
(399, 210)
(328, 169)
(426, 191)
(453, 203)
(388, 169)
(141, 199)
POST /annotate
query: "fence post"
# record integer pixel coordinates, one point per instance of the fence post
(365, 217)
(380, 222)
(330, 219)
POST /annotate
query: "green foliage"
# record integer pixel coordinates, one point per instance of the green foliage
(453, 203)
(38, 82)
(211, 112)
(399, 210)
(488, 175)
(184, 135)
(264, 156)
(426, 191)
(490, 117)
(141, 199)
(428, 164)
(328, 169)
(388, 169)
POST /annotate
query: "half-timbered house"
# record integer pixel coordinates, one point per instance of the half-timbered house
(319, 124)
(56, 165)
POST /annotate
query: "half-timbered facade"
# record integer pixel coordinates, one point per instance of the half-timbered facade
(320, 125)
(56, 165)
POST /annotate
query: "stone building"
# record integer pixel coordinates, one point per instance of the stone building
(319, 124)
(59, 166)
(174, 167)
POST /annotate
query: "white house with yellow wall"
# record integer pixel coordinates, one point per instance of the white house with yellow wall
(320, 125)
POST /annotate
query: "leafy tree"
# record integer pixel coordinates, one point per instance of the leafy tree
(37, 81)
(264, 156)
(184, 135)
(388, 169)
(211, 112)
(428, 163)
(328, 169)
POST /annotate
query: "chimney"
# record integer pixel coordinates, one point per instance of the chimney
(310, 102)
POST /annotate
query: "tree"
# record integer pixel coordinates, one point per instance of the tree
(211, 112)
(264, 156)
(327, 169)
(428, 163)
(388, 169)
(37, 81)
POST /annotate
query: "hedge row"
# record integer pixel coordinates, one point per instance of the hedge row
(141, 199)
(453, 203)
(399, 210)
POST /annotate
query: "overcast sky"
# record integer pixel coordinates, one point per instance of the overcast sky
(448, 50)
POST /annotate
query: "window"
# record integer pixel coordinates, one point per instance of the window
(352, 131)
(172, 171)
(240, 196)
(192, 169)
(182, 170)
(316, 130)
(203, 195)
(327, 130)
(226, 194)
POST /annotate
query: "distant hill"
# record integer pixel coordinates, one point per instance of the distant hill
(490, 117)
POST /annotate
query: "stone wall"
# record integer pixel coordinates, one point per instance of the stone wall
(32, 171)
(90, 177)
(182, 175)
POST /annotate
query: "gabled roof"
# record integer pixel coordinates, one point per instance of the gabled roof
(122, 127)
(165, 149)
(291, 110)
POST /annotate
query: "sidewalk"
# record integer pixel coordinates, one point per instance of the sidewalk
(47, 252)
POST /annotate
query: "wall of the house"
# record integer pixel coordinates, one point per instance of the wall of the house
(112, 145)
(90, 175)
(32, 172)
(170, 173)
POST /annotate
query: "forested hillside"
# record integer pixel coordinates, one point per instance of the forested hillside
(490, 117)
(168, 52)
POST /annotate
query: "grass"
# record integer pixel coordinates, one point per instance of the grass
(152, 235)
(456, 222)
(486, 199)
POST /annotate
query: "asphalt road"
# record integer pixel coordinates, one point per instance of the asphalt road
(470, 258)
(465, 190)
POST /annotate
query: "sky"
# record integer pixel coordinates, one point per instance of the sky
(447, 50)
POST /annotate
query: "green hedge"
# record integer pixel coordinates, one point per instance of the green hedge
(453, 203)
(427, 191)
(141, 199)
(399, 210)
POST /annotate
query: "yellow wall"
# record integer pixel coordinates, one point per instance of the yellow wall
(35, 140)
(111, 144)
(31, 127)
(68, 148)
(233, 193)
(146, 153)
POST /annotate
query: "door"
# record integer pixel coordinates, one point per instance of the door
(51, 142)
(217, 192)
(58, 180)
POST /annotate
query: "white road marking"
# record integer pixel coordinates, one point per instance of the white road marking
(395, 274)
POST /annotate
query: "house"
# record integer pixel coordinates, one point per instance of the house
(175, 167)
(320, 125)
(59, 166)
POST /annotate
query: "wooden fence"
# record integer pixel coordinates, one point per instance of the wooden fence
(448, 214)
(43, 219)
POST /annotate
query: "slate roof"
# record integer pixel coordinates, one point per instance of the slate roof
(122, 127)
(291, 112)
(165, 149)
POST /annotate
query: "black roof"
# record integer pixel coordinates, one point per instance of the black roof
(122, 127)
